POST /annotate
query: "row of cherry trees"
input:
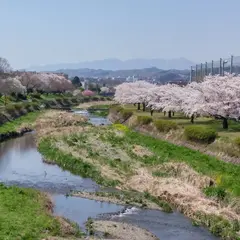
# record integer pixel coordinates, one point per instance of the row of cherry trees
(28, 82)
(216, 96)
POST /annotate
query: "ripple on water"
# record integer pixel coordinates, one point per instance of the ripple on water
(21, 164)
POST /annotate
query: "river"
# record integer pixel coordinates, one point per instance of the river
(21, 164)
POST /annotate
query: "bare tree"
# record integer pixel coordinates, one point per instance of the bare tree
(4, 65)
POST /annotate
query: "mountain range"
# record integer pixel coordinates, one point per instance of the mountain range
(116, 64)
(158, 75)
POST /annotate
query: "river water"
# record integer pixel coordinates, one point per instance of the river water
(21, 164)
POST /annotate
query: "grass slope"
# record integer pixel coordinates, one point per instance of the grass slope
(13, 125)
(226, 174)
(23, 215)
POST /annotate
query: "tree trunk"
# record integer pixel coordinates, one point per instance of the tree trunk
(151, 112)
(169, 114)
(173, 113)
(139, 106)
(144, 107)
(192, 119)
(225, 123)
(164, 113)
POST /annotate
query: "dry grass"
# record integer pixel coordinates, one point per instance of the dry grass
(57, 122)
(82, 153)
(184, 173)
(187, 197)
(120, 160)
(141, 151)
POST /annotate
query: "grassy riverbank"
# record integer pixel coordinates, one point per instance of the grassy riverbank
(225, 146)
(26, 214)
(202, 187)
(16, 124)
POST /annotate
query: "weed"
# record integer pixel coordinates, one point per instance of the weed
(200, 133)
(165, 125)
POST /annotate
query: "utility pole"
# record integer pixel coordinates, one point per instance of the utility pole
(196, 76)
(212, 69)
(220, 67)
(201, 72)
(231, 64)
(191, 74)
(224, 62)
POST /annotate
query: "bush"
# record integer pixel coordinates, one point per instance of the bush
(10, 108)
(217, 192)
(126, 113)
(18, 106)
(200, 134)
(21, 96)
(36, 95)
(165, 125)
(237, 141)
(144, 120)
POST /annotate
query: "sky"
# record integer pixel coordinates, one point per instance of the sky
(35, 32)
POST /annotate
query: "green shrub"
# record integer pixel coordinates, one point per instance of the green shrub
(18, 106)
(95, 98)
(237, 141)
(36, 95)
(126, 113)
(200, 134)
(217, 192)
(144, 120)
(165, 125)
(10, 108)
(116, 108)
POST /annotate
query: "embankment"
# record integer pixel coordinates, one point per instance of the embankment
(218, 149)
(200, 186)
(17, 119)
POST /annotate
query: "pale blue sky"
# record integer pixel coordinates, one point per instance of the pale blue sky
(55, 31)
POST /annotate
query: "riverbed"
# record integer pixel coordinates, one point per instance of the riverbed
(22, 165)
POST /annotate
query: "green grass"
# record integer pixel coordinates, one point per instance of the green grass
(72, 164)
(227, 174)
(232, 132)
(23, 215)
(13, 125)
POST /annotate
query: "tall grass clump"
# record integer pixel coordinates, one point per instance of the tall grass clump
(72, 164)
(144, 120)
(200, 134)
(165, 125)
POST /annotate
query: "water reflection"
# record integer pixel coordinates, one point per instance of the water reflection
(21, 164)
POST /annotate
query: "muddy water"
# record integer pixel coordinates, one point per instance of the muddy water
(21, 164)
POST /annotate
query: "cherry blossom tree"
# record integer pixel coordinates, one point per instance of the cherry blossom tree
(217, 96)
(104, 90)
(133, 93)
(46, 82)
(11, 85)
(87, 93)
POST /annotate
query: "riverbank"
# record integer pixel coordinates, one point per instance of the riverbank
(19, 208)
(224, 146)
(125, 198)
(200, 186)
(19, 126)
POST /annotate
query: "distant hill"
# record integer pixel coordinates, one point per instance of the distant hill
(152, 73)
(116, 64)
